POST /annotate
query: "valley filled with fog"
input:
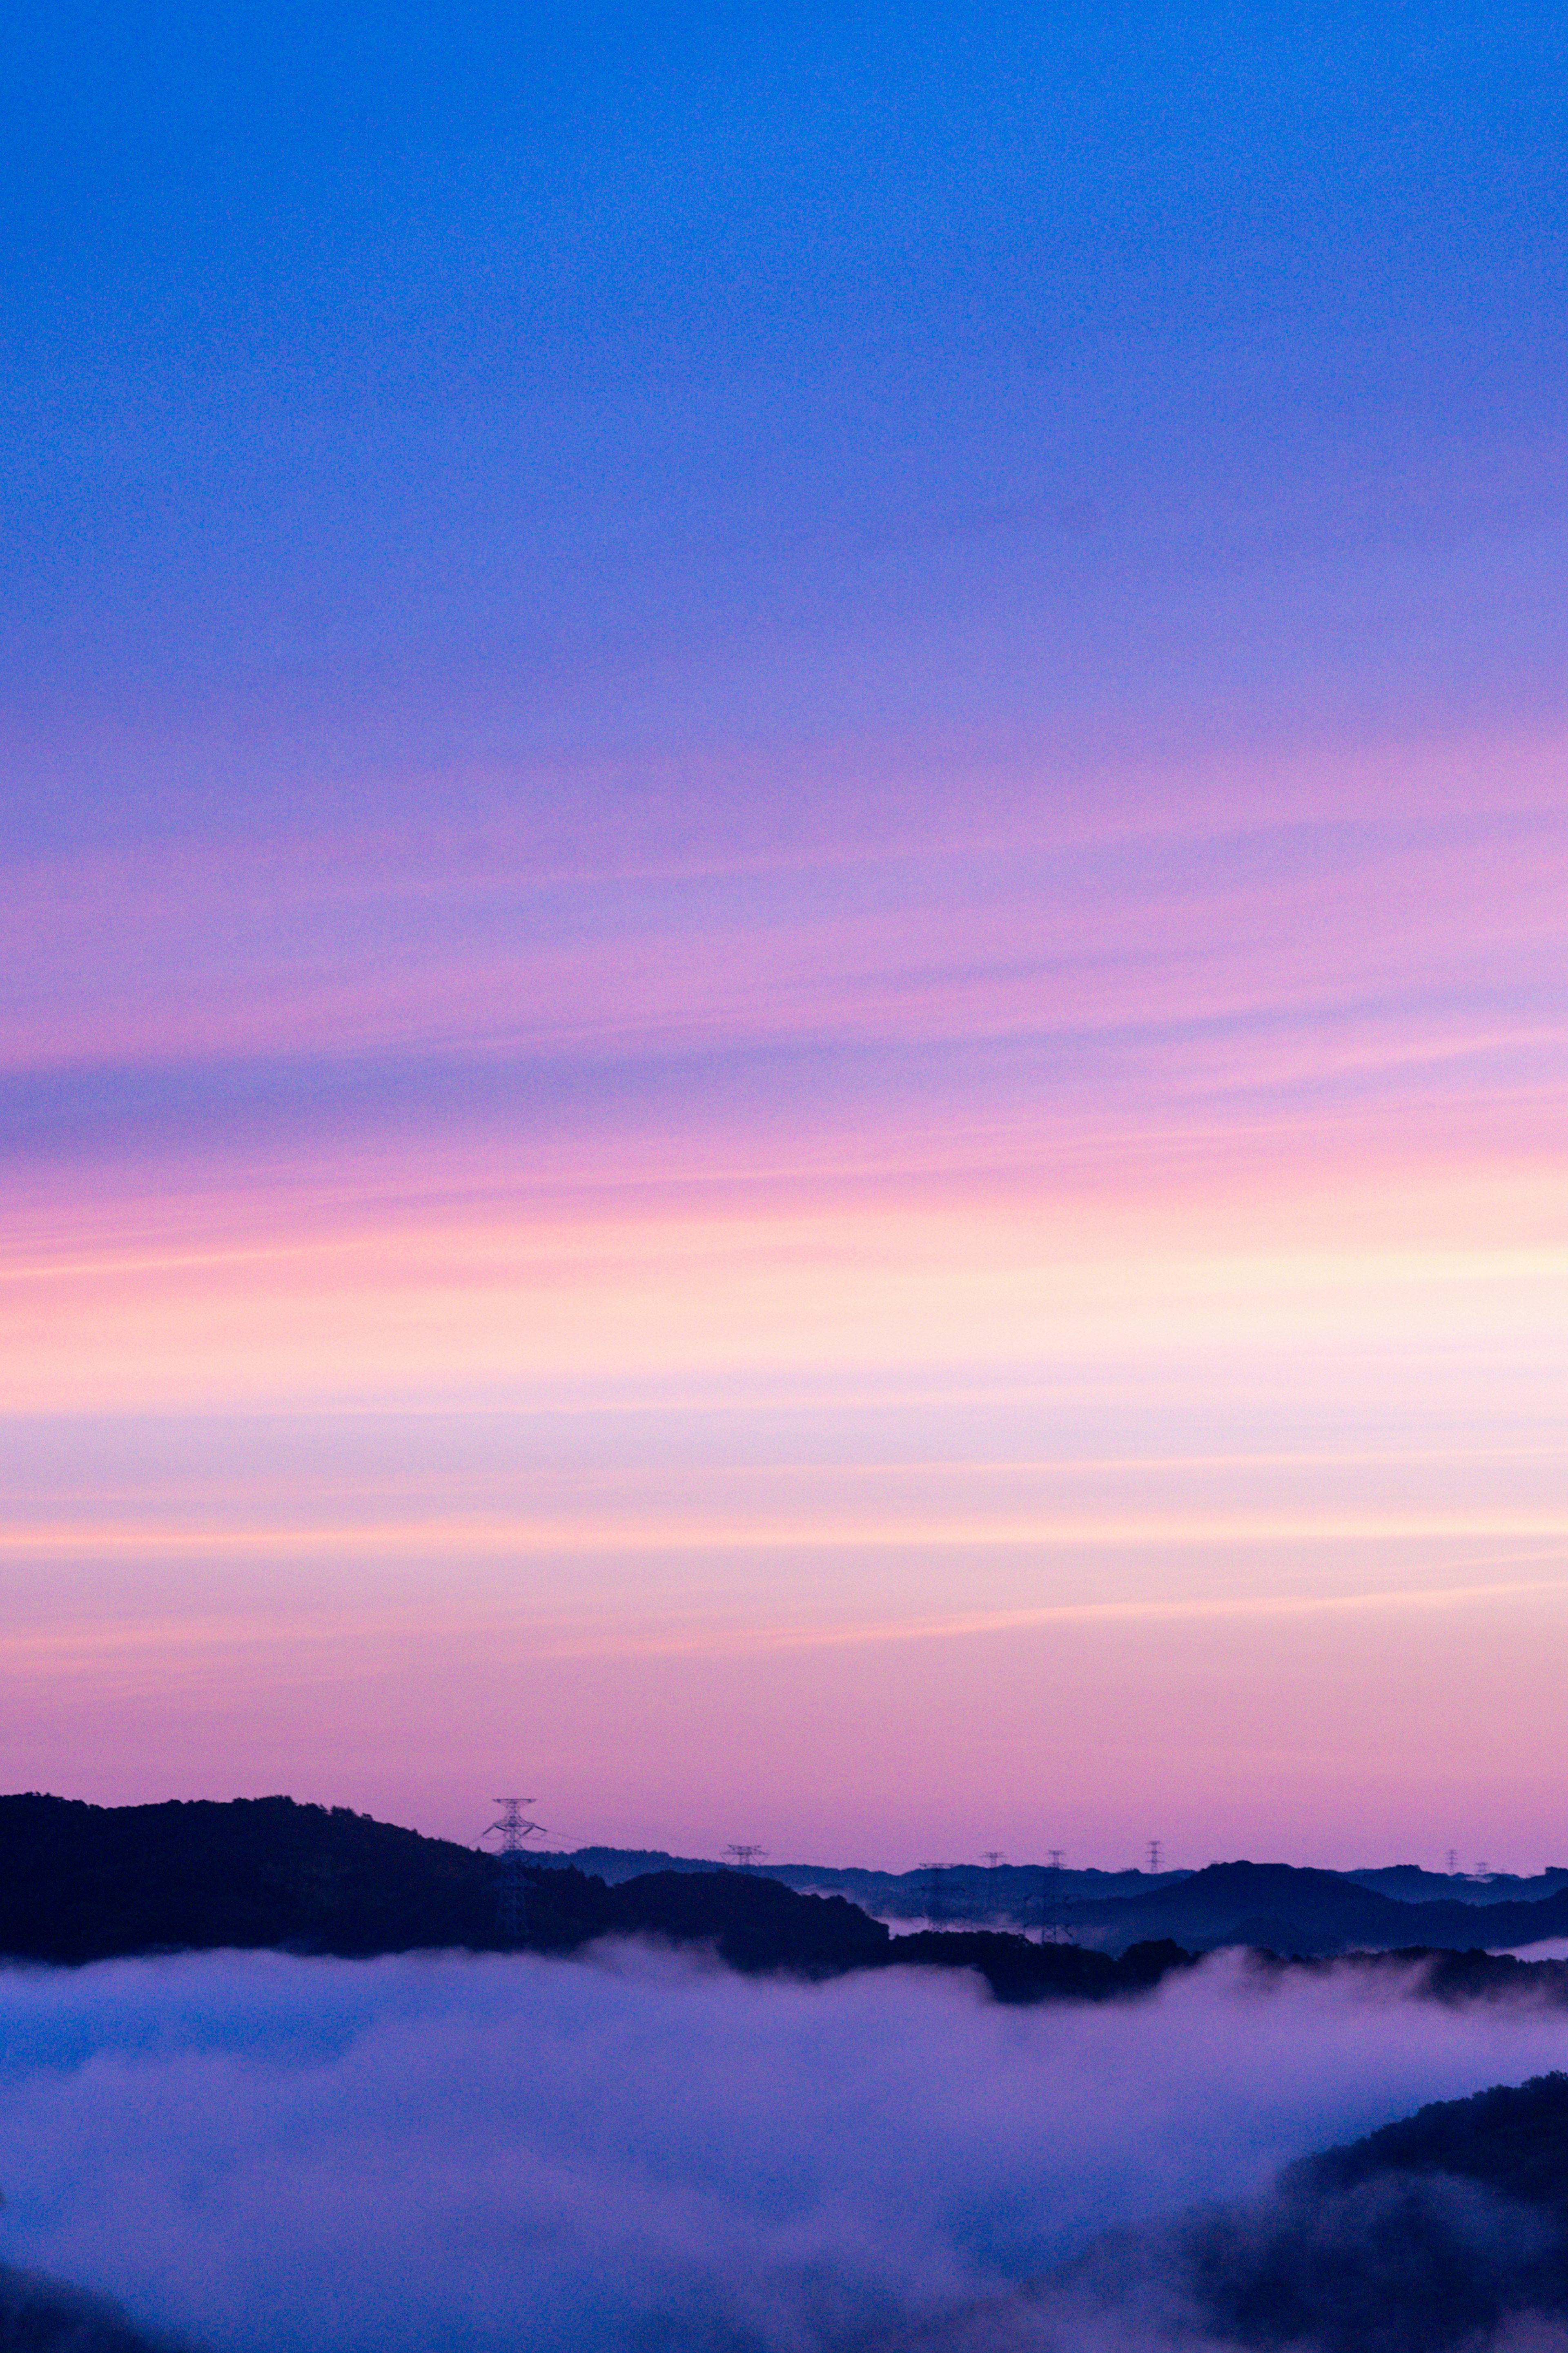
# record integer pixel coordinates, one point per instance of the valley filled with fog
(275, 2155)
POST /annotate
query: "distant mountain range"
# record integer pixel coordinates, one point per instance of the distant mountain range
(976, 1891)
(1310, 1912)
(953, 1890)
(1273, 1906)
(83, 1883)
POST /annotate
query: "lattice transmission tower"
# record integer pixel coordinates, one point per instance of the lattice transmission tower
(1055, 1926)
(745, 1855)
(513, 1829)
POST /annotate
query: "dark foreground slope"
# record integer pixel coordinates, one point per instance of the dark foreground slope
(40, 2316)
(1449, 2229)
(82, 1883)
(1432, 2232)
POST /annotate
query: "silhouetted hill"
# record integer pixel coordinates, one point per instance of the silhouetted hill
(1449, 2229)
(41, 2315)
(757, 1923)
(752, 1923)
(81, 1883)
(1512, 2140)
(1447, 1976)
(1429, 2233)
(1284, 1910)
(614, 1863)
(1018, 1970)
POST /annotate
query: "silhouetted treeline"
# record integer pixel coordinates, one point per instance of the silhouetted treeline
(81, 1883)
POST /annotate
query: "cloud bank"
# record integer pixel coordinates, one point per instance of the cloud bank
(313, 2157)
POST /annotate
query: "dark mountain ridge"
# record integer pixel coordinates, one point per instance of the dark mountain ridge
(81, 1883)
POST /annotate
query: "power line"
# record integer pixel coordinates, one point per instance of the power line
(745, 1855)
(1156, 1848)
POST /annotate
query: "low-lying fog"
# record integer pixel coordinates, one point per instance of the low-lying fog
(632, 2151)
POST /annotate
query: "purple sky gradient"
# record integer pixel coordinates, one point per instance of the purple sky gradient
(782, 1040)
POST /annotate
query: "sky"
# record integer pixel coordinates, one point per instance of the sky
(782, 862)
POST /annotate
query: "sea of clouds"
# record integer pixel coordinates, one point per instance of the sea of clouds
(636, 2152)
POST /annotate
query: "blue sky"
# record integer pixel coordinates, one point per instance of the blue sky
(550, 386)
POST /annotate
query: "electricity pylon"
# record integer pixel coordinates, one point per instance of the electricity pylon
(512, 1889)
(1054, 1927)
